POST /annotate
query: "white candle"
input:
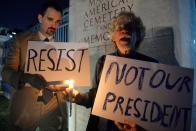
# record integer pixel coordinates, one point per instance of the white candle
(71, 86)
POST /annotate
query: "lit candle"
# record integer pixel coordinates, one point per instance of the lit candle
(70, 83)
(71, 86)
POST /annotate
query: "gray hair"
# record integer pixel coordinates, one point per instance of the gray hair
(129, 18)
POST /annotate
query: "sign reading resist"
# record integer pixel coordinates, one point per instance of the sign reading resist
(58, 61)
(157, 97)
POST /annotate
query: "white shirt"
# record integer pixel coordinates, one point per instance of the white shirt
(42, 37)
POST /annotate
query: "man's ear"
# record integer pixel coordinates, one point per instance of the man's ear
(114, 43)
(112, 38)
(39, 17)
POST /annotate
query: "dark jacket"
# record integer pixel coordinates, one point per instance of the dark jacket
(26, 111)
(88, 98)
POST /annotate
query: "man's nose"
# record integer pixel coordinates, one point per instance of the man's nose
(54, 25)
(124, 31)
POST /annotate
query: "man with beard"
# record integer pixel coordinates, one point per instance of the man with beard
(34, 106)
(127, 32)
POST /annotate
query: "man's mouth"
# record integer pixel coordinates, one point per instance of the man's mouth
(125, 39)
(51, 29)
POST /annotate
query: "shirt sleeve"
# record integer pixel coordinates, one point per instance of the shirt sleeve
(87, 99)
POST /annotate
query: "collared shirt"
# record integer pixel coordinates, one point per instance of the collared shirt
(42, 37)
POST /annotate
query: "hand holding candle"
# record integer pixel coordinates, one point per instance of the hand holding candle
(70, 92)
(57, 86)
(70, 88)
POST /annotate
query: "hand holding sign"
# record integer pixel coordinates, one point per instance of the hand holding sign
(127, 126)
(59, 61)
(156, 96)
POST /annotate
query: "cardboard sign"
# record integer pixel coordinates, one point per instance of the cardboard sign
(58, 61)
(157, 97)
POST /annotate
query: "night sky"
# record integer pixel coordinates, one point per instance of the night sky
(20, 14)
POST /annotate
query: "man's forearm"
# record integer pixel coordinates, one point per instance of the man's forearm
(82, 99)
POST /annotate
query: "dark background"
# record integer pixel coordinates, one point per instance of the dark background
(21, 14)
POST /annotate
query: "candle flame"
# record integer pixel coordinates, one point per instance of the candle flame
(70, 83)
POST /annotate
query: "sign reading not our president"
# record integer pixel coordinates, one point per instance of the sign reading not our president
(157, 97)
(58, 61)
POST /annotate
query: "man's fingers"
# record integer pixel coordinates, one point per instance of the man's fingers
(118, 125)
(57, 88)
(131, 123)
